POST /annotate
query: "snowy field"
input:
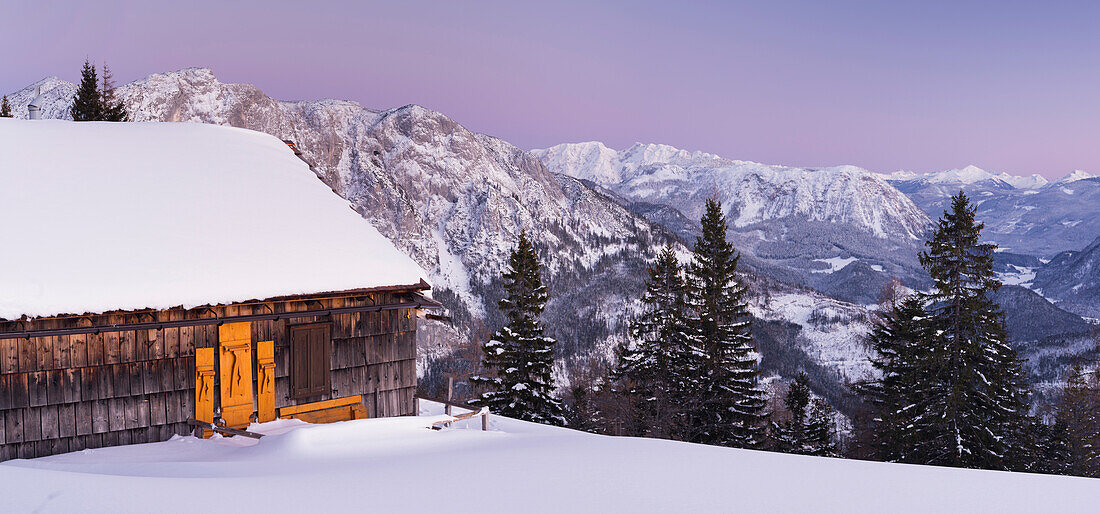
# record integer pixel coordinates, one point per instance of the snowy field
(398, 465)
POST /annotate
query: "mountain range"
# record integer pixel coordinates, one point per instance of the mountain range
(818, 244)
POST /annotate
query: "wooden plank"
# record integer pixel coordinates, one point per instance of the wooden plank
(157, 410)
(44, 353)
(173, 410)
(142, 407)
(78, 349)
(54, 390)
(330, 415)
(28, 355)
(127, 341)
(120, 381)
(36, 391)
(101, 416)
(116, 414)
(83, 418)
(326, 404)
(224, 430)
(13, 425)
(66, 420)
(95, 350)
(71, 383)
(5, 393)
(63, 351)
(111, 351)
(9, 355)
(32, 424)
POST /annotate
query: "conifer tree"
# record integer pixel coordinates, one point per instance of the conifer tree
(87, 104)
(1077, 414)
(519, 357)
(810, 430)
(899, 339)
(656, 371)
(113, 109)
(973, 402)
(729, 407)
(5, 108)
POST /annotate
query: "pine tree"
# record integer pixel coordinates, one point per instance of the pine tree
(810, 430)
(519, 357)
(1078, 414)
(112, 107)
(87, 104)
(5, 108)
(973, 401)
(728, 407)
(655, 373)
(899, 339)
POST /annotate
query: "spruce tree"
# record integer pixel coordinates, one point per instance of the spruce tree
(656, 371)
(87, 103)
(899, 339)
(1077, 420)
(519, 358)
(728, 407)
(810, 429)
(113, 109)
(5, 108)
(973, 401)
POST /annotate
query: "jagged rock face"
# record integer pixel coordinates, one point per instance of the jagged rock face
(787, 220)
(452, 199)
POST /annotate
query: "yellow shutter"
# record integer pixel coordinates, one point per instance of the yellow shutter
(235, 343)
(265, 381)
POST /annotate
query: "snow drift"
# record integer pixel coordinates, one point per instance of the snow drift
(398, 465)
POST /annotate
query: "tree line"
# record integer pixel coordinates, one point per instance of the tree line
(949, 389)
(95, 98)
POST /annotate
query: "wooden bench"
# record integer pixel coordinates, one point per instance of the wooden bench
(328, 411)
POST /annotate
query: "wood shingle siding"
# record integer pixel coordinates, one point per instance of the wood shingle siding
(70, 392)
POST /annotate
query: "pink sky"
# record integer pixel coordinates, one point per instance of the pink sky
(1007, 86)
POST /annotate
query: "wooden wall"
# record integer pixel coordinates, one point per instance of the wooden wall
(67, 393)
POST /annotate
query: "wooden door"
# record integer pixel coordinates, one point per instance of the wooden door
(235, 355)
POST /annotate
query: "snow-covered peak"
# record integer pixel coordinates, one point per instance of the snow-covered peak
(970, 175)
(1074, 176)
(594, 160)
(751, 191)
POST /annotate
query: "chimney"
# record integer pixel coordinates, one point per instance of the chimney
(34, 109)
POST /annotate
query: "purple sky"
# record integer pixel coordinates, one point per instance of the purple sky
(1008, 86)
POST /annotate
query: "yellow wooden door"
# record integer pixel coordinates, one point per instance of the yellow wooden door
(235, 354)
(265, 381)
(204, 386)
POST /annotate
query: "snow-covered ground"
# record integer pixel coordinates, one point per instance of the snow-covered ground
(398, 465)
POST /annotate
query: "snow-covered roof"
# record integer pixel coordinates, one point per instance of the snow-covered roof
(123, 216)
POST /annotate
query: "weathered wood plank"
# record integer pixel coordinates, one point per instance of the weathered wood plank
(111, 350)
(157, 409)
(66, 420)
(32, 424)
(36, 392)
(83, 418)
(13, 425)
(116, 411)
(101, 417)
(78, 348)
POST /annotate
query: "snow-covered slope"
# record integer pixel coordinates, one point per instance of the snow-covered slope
(156, 215)
(791, 218)
(398, 465)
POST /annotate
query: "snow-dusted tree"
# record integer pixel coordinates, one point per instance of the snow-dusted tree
(5, 107)
(810, 429)
(87, 104)
(728, 407)
(972, 400)
(519, 358)
(1077, 416)
(655, 370)
(899, 339)
(112, 108)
